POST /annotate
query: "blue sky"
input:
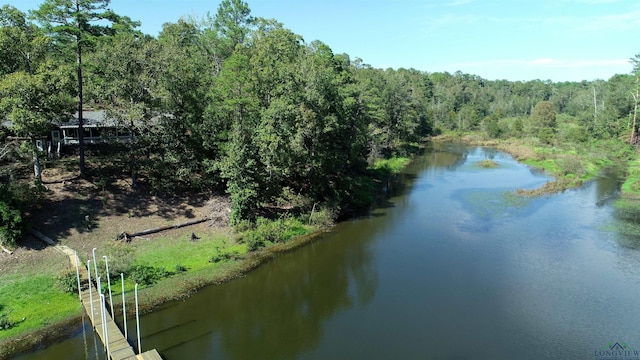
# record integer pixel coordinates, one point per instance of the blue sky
(558, 40)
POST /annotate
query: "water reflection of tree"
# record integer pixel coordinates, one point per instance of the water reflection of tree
(627, 223)
(279, 312)
(608, 185)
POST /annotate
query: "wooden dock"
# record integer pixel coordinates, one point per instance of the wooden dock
(119, 348)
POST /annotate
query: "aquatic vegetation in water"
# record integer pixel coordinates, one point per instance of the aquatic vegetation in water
(625, 223)
(488, 164)
(488, 205)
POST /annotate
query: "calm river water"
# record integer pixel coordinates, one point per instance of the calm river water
(454, 267)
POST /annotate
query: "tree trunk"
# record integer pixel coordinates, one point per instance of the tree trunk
(132, 154)
(80, 118)
(633, 138)
(37, 169)
(126, 236)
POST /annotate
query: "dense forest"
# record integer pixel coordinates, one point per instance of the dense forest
(232, 103)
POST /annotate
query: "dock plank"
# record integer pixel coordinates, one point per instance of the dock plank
(150, 355)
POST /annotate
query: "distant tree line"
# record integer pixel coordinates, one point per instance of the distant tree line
(238, 104)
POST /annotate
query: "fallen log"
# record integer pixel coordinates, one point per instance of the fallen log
(127, 237)
(42, 237)
(6, 250)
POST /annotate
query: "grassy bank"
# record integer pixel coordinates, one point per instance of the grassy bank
(31, 298)
(631, 187)
(32, 301)
(167, 267)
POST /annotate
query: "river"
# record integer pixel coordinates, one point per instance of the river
(455, 266)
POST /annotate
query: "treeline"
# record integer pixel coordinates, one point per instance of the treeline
(239, 104)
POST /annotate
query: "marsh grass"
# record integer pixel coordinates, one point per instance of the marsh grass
(631, 187)
(487, 164)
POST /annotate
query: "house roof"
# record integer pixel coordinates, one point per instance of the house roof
(98, 118)
(92, 119)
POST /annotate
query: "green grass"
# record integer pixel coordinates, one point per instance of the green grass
(33, 302)
(391, 166)
(631, 186)
(194, 255)
(548, 165)
(170, 252)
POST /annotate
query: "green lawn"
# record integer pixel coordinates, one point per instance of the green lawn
(34, 301)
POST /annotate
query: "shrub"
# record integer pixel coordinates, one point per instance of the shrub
(11, 224)
(15, 201)
(254, 241)
(68, 282)
(120, 259)
(243, 225)
(290, 199)
(5, 323)
(393, 165)
(224, 256)
(323, 216)
(293, 227)
(570, 165)
(147, 275)
(272, 231)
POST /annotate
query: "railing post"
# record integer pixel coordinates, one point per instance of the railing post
(90, 291)
(124, 307)
(106, 262)
(95, 263)
(100, 297)
(78, 275)
(138, 321)
(105, 327)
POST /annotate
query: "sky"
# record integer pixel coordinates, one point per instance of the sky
(557, 40)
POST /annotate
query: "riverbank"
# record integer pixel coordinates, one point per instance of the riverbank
(170, 265)
(571, 165)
